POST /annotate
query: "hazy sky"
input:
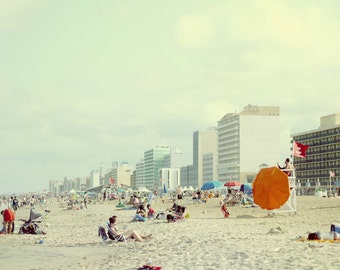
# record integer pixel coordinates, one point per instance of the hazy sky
(84, 83)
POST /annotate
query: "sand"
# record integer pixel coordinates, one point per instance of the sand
(248, 239)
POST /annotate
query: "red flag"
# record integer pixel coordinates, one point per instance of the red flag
(112, 180)
(299, 150)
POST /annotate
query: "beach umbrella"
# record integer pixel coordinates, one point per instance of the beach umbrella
(232, 184)
(271, 188)
(211, 185)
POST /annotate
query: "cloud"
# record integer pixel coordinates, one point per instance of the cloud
(109, 82)
(14, 12)
(194, 30)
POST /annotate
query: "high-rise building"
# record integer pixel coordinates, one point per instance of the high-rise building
(176, 159)
(186, 176)
(210, 167)
(204, 143)
(95, 178)
(322, 156)
(120, 175)
(170, 178)
(246, 140)
(154, 160)
(139, 174)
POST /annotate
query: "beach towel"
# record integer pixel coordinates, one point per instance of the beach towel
(149, 267)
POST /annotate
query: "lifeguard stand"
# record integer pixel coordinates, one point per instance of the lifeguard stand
(290, 205)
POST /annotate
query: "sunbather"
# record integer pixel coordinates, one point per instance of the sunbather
(178, 214)
(128, 234)
(141, 214)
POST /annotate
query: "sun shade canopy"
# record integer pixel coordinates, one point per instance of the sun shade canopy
(271, 188)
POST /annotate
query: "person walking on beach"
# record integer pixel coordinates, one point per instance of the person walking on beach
(85, 199)
(32, 201)
(179, 195)
(15, 203)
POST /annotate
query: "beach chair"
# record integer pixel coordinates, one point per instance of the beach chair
(208, 197)
(114, 237)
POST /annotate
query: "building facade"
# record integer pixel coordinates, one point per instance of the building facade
(209, 166)
(139, 175)
(120, 175)
(154, 160)
(170, 178)
(322, 156)
(204, 143)
(246, 140)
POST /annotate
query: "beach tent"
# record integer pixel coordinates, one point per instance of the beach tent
(246, 189)
(271, 188)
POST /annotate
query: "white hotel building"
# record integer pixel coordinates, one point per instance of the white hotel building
(246, 140)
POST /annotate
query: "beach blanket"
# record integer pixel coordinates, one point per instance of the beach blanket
(149, 267)
(318, 240)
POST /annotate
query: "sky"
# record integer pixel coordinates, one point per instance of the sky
(85, 83)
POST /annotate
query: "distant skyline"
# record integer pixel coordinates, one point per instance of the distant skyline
(84, 83)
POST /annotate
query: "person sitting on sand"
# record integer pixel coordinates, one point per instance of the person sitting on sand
(151, 212)
(135, 202)
(176, 214)
(128, 234)
(141, 214)
(173, 207)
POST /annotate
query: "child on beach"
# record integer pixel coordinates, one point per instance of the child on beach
(225, 210)
(151, 212)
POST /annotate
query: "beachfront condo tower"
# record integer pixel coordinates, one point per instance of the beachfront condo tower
(320, 168)
(154, 160)
(246, 140)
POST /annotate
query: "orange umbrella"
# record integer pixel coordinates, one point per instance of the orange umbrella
(271, 188)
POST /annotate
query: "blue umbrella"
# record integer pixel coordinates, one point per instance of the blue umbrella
(211, 185)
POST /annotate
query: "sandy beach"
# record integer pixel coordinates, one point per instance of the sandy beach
(248, 239)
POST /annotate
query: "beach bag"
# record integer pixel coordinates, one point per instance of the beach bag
(102, 233)
(335, 227)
